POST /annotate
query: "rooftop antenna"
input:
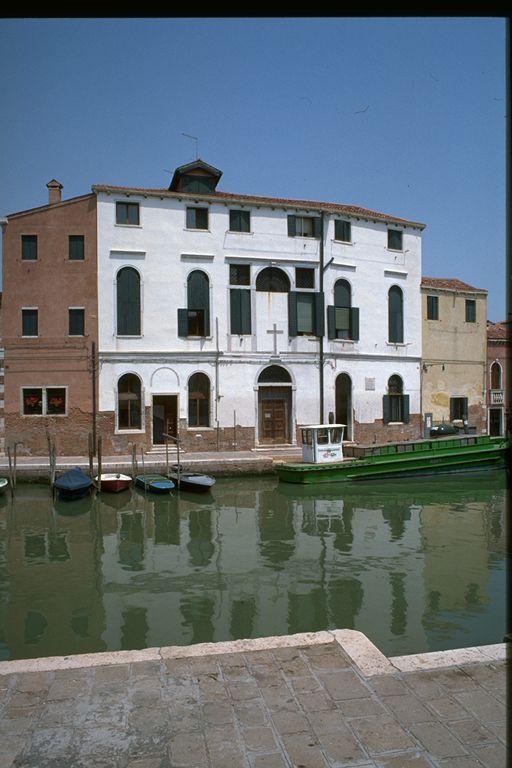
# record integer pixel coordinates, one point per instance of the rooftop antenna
(196, 141)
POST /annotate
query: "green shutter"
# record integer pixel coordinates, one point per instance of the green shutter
(331, 322)
(291, 225)
(386, 409)
(405, 409)
(319, 314)
(354, 323)
(128, 302)
(240, 305)
(292, 313)
(317, 226)
(183, 322)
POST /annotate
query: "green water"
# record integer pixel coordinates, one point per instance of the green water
(416, 566)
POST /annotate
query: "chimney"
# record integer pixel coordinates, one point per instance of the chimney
(54, 191)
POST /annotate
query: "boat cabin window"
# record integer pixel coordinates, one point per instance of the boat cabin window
(307, 437)
(336, 433)
(323, 436)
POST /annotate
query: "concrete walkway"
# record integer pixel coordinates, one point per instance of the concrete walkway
(321, 700)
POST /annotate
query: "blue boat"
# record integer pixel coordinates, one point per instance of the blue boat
(154, 483)
(73, 484)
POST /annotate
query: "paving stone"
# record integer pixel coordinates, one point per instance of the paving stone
(437, 739)
(492, 755)
(360, 707)
(224, 747)
(290, 722)
(343, 685)
(482, 705)
(470, 731)
(407, 708)
(304, 751)
(218, 713)
(404, 760)
(187, 749)
(250, 713)
(259, 739)
(274, 760)
(381, 734)
(341, 747)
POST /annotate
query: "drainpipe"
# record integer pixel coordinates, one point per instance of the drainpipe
(321, 339)
(93, 354)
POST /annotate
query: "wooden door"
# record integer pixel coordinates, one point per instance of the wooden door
(274, 421)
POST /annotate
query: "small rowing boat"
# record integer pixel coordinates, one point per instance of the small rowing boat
(154, 483)
(113, 483)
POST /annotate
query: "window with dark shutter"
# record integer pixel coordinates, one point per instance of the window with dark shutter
(240, 311)
(395, 315)
(305, 314)
(239, 220)
(29, 322)
(342, 231)
(127, 214)
(128, 302)
(29, 247)
(76, 248)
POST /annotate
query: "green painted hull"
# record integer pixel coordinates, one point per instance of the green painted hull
(408, 459)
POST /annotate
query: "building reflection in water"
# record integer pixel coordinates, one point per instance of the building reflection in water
(417, 566)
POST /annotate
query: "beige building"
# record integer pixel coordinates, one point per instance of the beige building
(454, 326)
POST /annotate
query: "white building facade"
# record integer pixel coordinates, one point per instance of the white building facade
(235, 319)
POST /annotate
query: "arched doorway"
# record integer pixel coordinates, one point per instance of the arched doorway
(343, 400)
(274, 405)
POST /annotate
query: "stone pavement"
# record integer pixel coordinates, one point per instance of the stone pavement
(320, 700)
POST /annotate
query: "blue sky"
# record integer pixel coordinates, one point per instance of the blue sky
(401, 115)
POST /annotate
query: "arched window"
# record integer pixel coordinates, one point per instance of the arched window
(273, 280)
(195, 319)
(395, 315)
(129, 402)
(274, 374)
(395, 403)
(496, 375)
(128, 302)
(199, 400)
(342, 293)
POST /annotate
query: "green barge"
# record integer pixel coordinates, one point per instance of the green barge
(327, 460)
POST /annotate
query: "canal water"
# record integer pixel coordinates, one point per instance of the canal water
(416, 566)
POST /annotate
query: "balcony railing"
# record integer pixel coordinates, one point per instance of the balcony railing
(497, 397)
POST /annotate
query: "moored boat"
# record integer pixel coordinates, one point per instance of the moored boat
(3, 484)
(323, 442)
(113, 482)
(191, 481)
(154, 483)
(73, 484)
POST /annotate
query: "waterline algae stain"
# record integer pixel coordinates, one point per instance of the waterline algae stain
(416, 565)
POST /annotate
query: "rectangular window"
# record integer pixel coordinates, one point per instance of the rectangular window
(395, 239)
(239, 221)
(470, 311)
(76, 321)
(432, 307)
(76, 247)
(458, 408)
(304, 277)
(342, 231)
(197, 218)
(192, 322)
(343, 323)
(304, 226)
(240, 311)
(127, 213)
(239, 274)
(305, 314)
(395, 408)
(29, 322)
(43, 401)
(29, 247)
